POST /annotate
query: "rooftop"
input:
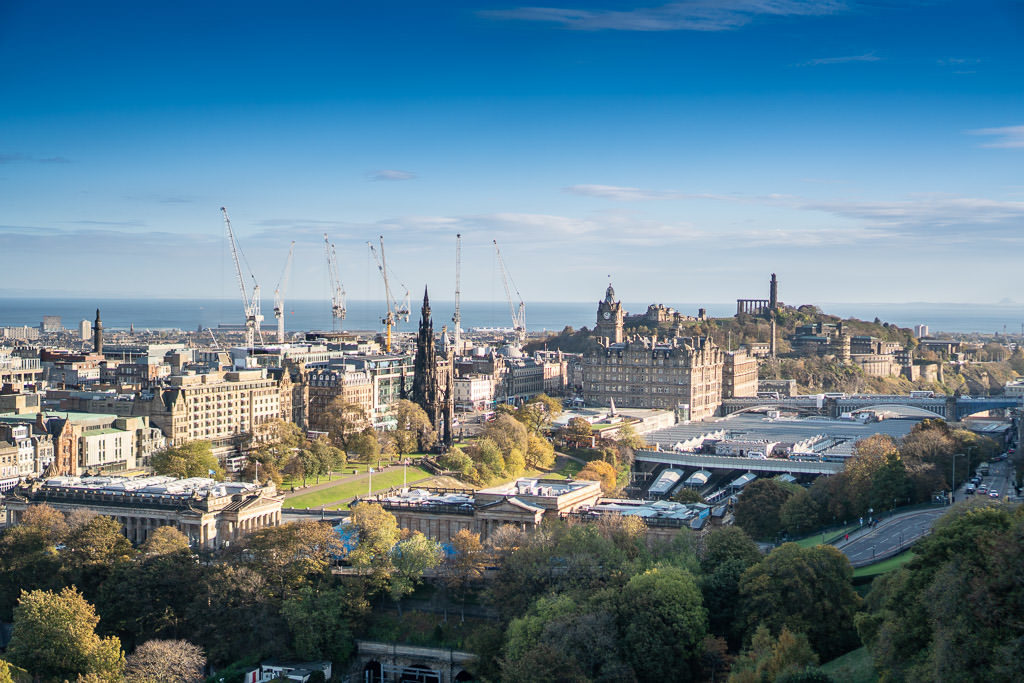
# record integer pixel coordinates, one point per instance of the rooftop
(157, 485)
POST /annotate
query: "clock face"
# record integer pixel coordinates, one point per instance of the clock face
(607, 314)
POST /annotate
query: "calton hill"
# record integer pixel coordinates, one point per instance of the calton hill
(991, 363)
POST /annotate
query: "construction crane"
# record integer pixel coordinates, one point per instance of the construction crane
(282, 287)
(396, 310)
(337, 289)
(518, 312)
(457, 317)
(250, 306)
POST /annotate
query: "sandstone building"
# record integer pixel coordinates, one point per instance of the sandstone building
(210, 514)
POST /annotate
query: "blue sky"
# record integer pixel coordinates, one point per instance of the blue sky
(864, 151)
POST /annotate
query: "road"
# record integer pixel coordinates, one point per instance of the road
(889, 536)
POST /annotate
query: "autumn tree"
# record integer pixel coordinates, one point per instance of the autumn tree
(627, 436)
(599, 471)
(54, 636)
(413, 430)
(343, 420)
(290, 554)
(577, 432)
(173, 661)
(770, 658)
(28, 555)
(464, 566)
(539, 413)
(191, 459)
(163, 541)
(540, 453)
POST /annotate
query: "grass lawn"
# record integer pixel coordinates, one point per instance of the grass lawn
(348, 490)
(853, 667)
(884, 566)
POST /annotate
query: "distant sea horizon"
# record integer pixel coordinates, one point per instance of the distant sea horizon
(192, 314)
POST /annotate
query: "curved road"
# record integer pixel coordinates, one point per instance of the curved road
(890, 536)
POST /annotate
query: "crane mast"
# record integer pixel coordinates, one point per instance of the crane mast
(457, 318)
(518, 312)
(395, 310)
(337, 290)
(250, 306)
(282, 287)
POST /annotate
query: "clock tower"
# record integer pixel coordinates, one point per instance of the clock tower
(610, 317)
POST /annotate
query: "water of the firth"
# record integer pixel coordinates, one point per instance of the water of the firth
(190, 314)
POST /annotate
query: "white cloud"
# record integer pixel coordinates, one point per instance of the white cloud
(824, 61)
(694, 15)
(392, 174)
(1006, 137)
(636, 194)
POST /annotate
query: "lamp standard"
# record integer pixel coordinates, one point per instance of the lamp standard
(952, 486)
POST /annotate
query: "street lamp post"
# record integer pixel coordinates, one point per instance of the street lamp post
(952, 484)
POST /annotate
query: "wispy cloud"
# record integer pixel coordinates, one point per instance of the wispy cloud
(636, 194)
(1007, 136)
(957, 61)
(693, 15)
(392, 174)
(824, 61)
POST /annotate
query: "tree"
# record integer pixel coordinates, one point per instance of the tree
(191, 459)
(538, 413)
(789, 589)
(342, 421)
(414, 429)
(599, 471)
(28, 555)
(488, 459)
(91, 551)
(174, 661)
(321, 621)
(799, 514)
(163, 541)
(540, 453)
(410, 558)
(769, 658)
(151, 597)
(729, 543)
(376, 534)
(457, 461)
(663, 624)
(365, 445)
(464, 566)
(508, 434)
(577, 432)
(758, 507)
(290, 554)
(54, 635)
(628, 437)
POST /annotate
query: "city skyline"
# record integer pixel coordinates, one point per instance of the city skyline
(864, 152)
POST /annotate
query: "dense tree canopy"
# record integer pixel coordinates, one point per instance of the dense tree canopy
(192, 459)
(55, 636)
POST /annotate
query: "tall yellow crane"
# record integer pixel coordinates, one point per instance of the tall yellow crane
(396, 310)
